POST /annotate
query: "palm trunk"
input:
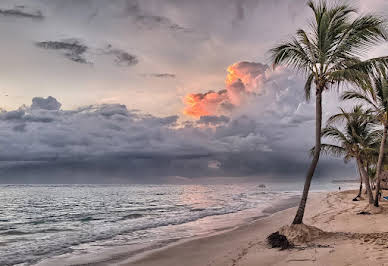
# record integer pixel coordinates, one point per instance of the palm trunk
(360, 191)
(318, 128)
(366, 179)
(379, 165)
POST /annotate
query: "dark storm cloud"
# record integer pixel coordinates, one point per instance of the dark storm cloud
(90, 131)
(280, 166)
(160, 75)
(213, 120)
(121, 57)
(77, 51)
(49, 103)
(150, 168)
(73, 49)
(109, 110)
(138, 11)
(12, 115)
(149, 20)
(21, 13)
(22, 116)
(20, 128)
(266, 137)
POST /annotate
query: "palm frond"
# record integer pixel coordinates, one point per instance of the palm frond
(291, 54)
(335, 134)
(349, 75)
(307, 86)
(360, 35)
(331, 149)
(374, 67)
(359, 96)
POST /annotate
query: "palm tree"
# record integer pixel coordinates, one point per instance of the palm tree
(356, 140)
(377, 97)
(330, 54)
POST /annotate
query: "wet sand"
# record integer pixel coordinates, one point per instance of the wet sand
(350, 239)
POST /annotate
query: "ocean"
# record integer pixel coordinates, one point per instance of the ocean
(80, 224)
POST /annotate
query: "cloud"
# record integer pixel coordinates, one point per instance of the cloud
(303, 113)
(108, 110)
(213, 120)
(72, 49)
(88, 131)
(20, 12)
(205, 104)
(243, 79)
(148, 20)
(121, 57)
(110, 143)
(20, 128)
(24, 114)
(76, 51)
(12, 115)
(160, 75)
(49, 103)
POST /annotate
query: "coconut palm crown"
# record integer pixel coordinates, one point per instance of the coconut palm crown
(358, 139)
(376, 96)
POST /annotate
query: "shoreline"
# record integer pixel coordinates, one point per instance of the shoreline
(353, 240)
(151, 257)
(123, 255)
(281, 205)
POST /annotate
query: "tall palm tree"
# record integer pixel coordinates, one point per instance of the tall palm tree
(329, 54)
(356, 140)
(377, 97)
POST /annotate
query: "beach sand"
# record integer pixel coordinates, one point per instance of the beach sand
(350, 239)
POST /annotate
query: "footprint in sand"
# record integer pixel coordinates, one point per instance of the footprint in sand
(374, 251)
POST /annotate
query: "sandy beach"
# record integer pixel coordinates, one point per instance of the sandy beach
(348, 239)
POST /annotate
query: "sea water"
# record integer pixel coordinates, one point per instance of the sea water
(39, 222)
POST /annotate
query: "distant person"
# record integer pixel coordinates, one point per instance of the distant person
(339, 188)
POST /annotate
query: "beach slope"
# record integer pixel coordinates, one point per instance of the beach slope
(352, 239)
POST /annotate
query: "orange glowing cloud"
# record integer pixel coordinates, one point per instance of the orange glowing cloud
(243, 79)
(203, 104)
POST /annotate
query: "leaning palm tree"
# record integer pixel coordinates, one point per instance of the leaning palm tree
(329, 54)
(356, 140)
(377, 97)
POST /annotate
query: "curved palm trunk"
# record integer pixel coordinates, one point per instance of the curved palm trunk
(379, 165)
(318, 128)
(360, 191)
(366, 179)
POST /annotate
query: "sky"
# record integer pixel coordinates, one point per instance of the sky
(127, 91)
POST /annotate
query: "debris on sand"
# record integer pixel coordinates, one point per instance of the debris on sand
(276, 240)
(301, 233)
(364, 213)
(373, 209)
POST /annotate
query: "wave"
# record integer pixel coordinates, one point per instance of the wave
(43, 231)
(15, 233)
(132, 216)
(197, 209)
(89, 218)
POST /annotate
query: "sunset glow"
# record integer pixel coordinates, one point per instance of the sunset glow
(242, 79)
